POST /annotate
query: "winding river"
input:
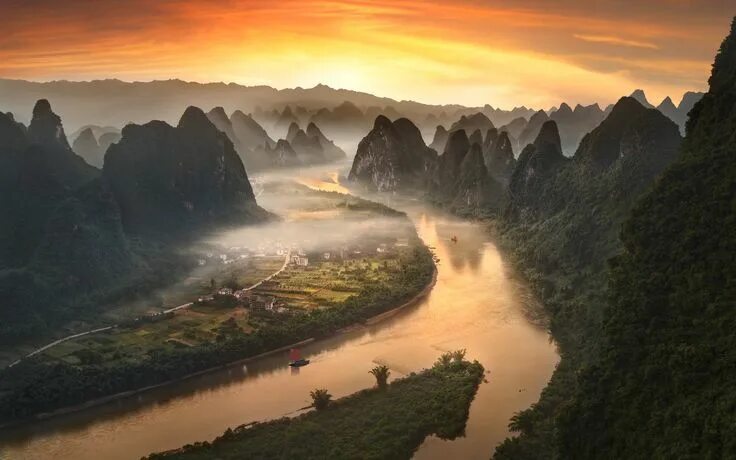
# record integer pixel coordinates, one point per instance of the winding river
(476, 304)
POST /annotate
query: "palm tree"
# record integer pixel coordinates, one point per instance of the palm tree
(381, 373)
(320, 398)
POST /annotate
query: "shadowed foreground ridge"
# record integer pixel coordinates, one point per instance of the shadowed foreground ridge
(661, 383)
(667, 378)
(375, 423)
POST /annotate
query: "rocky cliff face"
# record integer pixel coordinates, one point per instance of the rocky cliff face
(472, 122)
(46, 133)
(330, 151)
(499, 159)
(86, 146)
(444, 174)
(489, 140)
(476, 138)
(668, 109)
(168, 180)
(679, 113)
(219, 118)
(107, 139)
(38, 170)
(311, 146)
(630, 134)
(252, 141)
(440, 139)
(307, 148)
(283, 154)
(536, 168)
(574, 124)
(532, 128)
(514, 129)
(392, 156)
(248, 132)
(284, 120)
(641, 98)
(475, 189)
(687, 103)
(259, 152)
(469, 123)
(13, 135)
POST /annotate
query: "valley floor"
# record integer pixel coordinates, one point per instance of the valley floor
(316, 292)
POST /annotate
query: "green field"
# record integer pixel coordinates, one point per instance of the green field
(376, 262)
(297, 290)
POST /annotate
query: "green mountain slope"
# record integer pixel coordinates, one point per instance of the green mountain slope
(666, 382)
(654, 376)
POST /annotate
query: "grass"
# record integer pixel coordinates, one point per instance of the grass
(330, 282)
(371, 424)
(325, 283)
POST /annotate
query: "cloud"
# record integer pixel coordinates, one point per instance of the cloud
(466, 51)
(611, 40)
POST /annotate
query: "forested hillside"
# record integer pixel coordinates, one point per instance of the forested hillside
(657, 376)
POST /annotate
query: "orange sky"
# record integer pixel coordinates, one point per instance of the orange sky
(506, 53)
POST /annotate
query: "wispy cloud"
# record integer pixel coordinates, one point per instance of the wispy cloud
(467, 51)
(611, 40)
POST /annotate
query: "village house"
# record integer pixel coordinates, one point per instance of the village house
(298, 260)
(259, 302)
(242, 294)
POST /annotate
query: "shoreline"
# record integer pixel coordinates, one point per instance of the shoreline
(122, 395)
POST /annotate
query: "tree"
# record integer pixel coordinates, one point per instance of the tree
(232, 283)
(450, 358)
(320, 398)
(381, 373)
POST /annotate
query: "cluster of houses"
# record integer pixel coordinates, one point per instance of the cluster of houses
(253, 301)
(236, 253)
(300, 258)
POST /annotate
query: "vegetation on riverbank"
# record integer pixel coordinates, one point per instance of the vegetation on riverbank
(377, 423)
(40, 385)
(647, 342)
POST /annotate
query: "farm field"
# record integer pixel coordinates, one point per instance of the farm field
(225, 304)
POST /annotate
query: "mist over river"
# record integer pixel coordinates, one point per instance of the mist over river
(476, 304)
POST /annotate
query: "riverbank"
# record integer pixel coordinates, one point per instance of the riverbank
(362, 425)
(475, 304)
(417, 296)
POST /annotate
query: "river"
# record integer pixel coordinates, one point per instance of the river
(476, 304)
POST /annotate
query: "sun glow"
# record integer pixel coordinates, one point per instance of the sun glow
(440, 52)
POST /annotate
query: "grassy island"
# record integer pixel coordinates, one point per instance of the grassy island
(388, 422)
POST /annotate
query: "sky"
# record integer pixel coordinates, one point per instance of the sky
(504, 53)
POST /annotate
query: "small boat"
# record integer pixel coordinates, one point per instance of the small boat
(295, 358)
(454, 239)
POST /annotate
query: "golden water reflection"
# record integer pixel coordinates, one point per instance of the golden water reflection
(476, 304)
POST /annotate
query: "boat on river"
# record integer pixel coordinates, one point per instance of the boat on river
(295, 358)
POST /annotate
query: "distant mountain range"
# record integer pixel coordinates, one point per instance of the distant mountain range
(260, 152)
(344, 116)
